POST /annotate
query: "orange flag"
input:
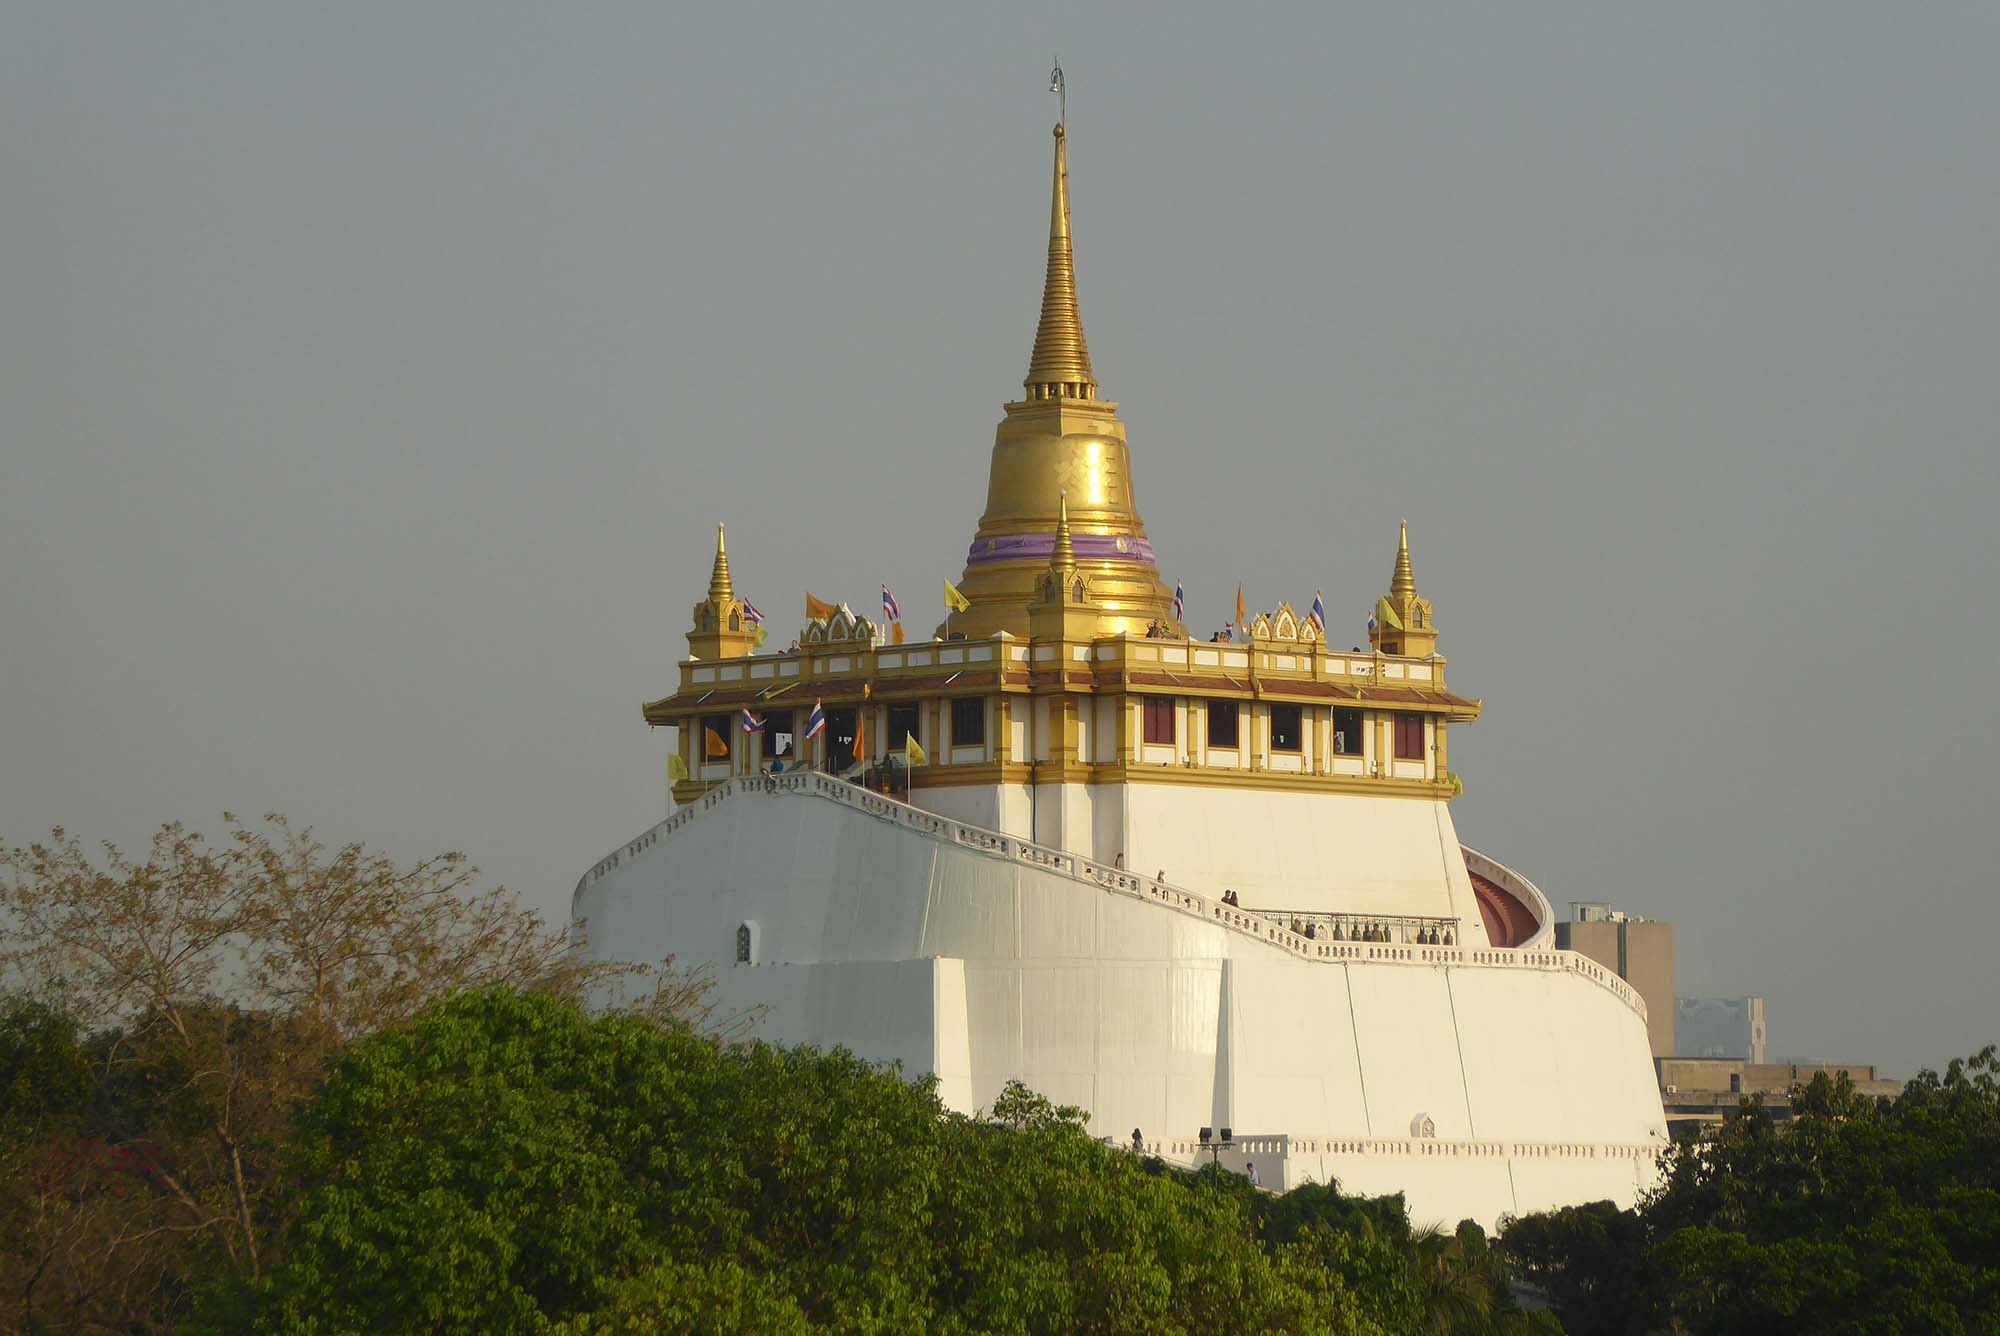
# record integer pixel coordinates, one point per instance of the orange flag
(1241, 619)
(860, 743)
(818, 608)
(896, 634)
(717, 747)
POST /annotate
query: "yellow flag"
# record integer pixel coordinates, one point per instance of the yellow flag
(677, 769)
(717, 746)
(912, 753)
(860, 743)
(757, 640)
(1387, 615)
(953, 599)
(896, 634)
(818, 608)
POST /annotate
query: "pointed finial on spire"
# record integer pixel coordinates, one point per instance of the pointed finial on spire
(1059, 366)
(1063, 558)
(1403, 584)
(719, 589)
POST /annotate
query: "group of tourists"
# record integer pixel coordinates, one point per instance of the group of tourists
(1429, 935)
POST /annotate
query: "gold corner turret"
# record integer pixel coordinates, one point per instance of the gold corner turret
(721, 627)
(1061, 610)
(1403, 621)
(1063, 559)
(1060, 438)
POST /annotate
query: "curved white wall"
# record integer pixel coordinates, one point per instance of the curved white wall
(986, 968)
(1344, 853)
(1323, 852)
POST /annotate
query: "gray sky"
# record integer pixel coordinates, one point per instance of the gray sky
(371, 378)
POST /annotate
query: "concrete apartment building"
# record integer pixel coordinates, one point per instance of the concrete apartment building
(1640, 951)
(1697, 1092)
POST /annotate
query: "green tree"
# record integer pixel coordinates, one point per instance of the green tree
(199, 993)
(717, 1297)
(508, 1162)
(1591, 1261)
(45, 1076)
(1859, 1215)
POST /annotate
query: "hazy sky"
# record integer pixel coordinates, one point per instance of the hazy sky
(372, 377)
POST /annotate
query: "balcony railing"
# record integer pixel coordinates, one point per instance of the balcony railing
(1404, 929)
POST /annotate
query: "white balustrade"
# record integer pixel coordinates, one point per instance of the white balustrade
(1285, 1146)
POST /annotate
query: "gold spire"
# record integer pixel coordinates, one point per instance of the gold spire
(1057, 438)
(1403, 584)
(1063, 557)
(721, 628)
(719, 589)
(1405, 626)
(1059, 367)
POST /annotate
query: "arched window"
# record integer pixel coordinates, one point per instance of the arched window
(736, 621)
(708, 619)
(743, 944)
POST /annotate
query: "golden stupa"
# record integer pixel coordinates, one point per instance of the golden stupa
(1058, 439)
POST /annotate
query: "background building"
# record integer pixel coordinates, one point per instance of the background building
(1719, 1027)
(1697, 1092)
(1639, 950)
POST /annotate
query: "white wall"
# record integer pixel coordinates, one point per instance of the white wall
(985, 969)
(1334, 852)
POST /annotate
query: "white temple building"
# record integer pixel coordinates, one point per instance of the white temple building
(1184, 884)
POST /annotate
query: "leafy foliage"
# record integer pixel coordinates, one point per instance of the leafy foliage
(509, 1161)
(1858, 1216)
(172, 1014)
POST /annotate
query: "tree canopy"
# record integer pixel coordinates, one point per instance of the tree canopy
(168, 1016)
(1859, 1215)
(509, 1161)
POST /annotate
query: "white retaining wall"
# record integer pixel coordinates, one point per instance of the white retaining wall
(984, 967)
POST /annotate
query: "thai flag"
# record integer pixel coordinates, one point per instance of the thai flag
(751, 615)
(751, 723)
(1180, 603)
(1318, 615)
(1229, 631)
(889, 608)
(816, 722)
